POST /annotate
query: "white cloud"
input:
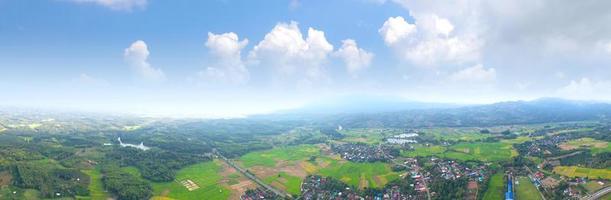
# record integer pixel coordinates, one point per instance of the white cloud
(117, 4)
(430, 41)
(285, 50)
(136, 55)
(396, 29)
(586, 89)
(475, 73)
(356, 59)
(227, 66)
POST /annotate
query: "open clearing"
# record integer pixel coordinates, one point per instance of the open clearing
(574, 171)
(526, 190)
(206, 175)
(495, 187)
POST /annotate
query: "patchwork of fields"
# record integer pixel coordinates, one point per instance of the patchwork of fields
(481, 151)
(574, 171)
(597, 146)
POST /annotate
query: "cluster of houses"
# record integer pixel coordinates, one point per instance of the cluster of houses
(362, 152)
(417, 173)
(259, 194)
(325, 188)
(451, 170)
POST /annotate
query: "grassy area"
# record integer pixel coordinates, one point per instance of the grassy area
(372, 175)
(96, 187)
(205, 175)
(597, 146)
(291, 184)
(574, 171)
(269, 158)
(480, 151)
(421, 150)
(526, 190)
(368, 135)
(496, 187)
(132, 170)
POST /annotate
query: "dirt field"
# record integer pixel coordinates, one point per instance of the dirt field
(237, 189)
(5, 178)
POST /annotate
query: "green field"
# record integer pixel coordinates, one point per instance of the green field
(131, 170)
(372, 175)
(456, 134)
(421, 150)
(96, 187)
(368, 135)
(496, 187)
(269, 158)
(291, 184)
(205, 175)
(573, 171)
(481, 151)
(526, 190)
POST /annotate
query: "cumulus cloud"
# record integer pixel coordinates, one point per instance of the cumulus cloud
(356, 59)
(288, 53)
(430, 41)
(586, 89)
(396, 29)
(474, 73)
(227, 67)
(136, 55)
(117, 4)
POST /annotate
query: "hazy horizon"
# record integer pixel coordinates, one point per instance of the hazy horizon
(228, 58)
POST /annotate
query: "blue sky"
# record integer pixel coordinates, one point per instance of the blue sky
(230, 58)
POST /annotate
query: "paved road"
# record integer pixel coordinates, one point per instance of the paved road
(598, 194)
(252, 177)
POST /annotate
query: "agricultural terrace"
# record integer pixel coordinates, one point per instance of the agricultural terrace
(597, 146)
(205, 175)
(526, 190)
(269, 158)
(574, 171)
(496, 187)
(369, 135)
